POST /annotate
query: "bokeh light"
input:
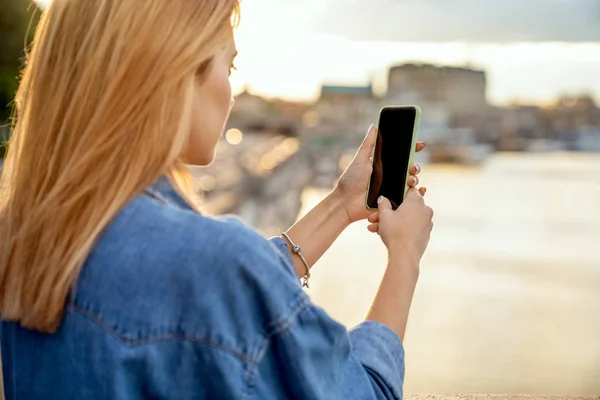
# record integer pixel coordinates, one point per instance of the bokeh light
(234, 137)
(345, 161)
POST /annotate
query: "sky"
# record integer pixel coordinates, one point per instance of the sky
(463, 20)
(533, 51)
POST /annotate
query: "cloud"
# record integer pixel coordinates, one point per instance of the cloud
(463, 20)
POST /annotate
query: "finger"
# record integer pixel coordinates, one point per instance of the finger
(420, 146)
(383, 204)
(366, 148)
(414, 192)
(374, 217)
(412, 181)
(414, 169)
(423, 190)
(373, 228)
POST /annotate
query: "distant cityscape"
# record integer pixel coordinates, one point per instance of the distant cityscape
(273, 149)
(458, 122)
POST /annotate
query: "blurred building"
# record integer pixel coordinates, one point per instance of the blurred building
(461, 91)
(582, 110)
(526, 128)
(576, 121)
(343, 110)
(289, 110)
(572, 123)
(525, 122)
(335, 125)
(570, 113)
(252, 113)
(454, 105)
(249, 112)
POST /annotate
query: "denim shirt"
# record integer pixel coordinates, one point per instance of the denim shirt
(171, 304)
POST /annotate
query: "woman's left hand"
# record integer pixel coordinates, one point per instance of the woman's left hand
(351, 189)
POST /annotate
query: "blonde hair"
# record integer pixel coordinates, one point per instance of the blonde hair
(102, 111)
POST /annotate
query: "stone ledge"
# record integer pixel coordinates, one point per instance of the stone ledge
(494, 397)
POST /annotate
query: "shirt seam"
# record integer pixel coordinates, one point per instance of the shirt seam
(281, 325)
(374, 372)
(284, 322)
(159, 338)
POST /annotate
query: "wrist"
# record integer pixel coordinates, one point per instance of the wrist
(337, 208)
(405, 259)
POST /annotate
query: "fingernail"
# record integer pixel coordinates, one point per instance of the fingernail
(379, 199)
(418, 168)
(414, 178)
(371, 127)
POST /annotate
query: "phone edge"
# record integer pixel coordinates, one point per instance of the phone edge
(413, 148)
(411, 157)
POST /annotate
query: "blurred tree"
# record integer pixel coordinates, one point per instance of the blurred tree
(15, 18)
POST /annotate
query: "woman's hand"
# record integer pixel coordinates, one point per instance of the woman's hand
(374, 217)
(351, 189)
(406, 230)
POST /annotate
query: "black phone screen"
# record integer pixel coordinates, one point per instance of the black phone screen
(392, 153)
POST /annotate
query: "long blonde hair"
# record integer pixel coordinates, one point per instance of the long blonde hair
(102, 111)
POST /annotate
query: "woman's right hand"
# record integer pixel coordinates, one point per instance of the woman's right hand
(406, 230)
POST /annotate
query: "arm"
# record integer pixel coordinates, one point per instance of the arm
(406, 233)
(314, 357)
(317, 231)
(394, 297)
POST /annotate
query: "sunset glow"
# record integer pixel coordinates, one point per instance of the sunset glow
(283, 55)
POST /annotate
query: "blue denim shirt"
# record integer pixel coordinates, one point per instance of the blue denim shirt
(171, 304)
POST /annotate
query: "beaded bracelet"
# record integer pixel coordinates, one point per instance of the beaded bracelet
(296, 250)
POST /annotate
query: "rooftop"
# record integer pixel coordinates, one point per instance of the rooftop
(413, 66)
(347, 90)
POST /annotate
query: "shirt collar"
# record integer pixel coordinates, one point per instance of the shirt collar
(164, 192)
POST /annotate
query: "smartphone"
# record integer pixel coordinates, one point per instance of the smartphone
(393, 154)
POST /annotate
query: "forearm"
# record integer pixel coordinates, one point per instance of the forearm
(392, 304)
(317, 231)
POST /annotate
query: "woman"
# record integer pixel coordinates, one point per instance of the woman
(113, 284)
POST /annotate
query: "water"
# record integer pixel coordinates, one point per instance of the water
(509, 295)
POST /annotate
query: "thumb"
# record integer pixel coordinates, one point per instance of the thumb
(366, 148)
(383, 204)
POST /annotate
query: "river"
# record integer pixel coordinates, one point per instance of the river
(508, 300)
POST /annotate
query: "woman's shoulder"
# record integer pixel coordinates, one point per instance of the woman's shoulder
(160, 269)
(161, 229)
